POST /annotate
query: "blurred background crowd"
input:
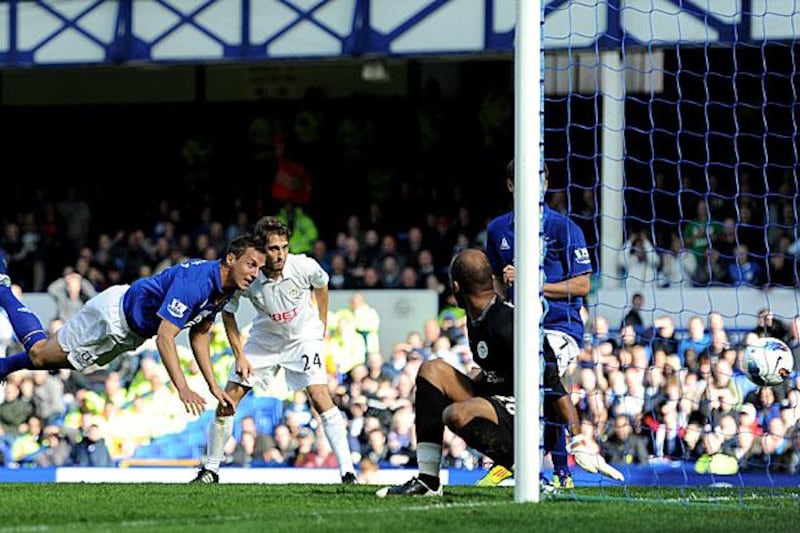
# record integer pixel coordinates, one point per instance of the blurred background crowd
(422, 180)
(646, 394)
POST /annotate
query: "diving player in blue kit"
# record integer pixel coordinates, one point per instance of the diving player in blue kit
(123, 317)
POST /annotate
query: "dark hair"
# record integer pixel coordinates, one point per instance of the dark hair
(267, 226)
(239, 244)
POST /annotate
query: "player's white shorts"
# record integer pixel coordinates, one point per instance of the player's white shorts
(302, 362)
(564, 347)
(99, 332)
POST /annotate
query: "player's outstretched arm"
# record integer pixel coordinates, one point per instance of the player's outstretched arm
(165, 341)
(200, 339)
(568, 288)
(243, 366)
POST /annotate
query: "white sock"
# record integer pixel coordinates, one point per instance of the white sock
(219, 432)
(333, 424)
(429, 458)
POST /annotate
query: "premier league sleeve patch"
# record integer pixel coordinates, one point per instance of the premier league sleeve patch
(177, 308)
(582, 256)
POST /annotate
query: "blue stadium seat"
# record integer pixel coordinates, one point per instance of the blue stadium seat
(202, 422)
(140, 452)
(5, 451)
(178, 450)
(195, 438)
(148, 451)
(191, 442)
(267, 413)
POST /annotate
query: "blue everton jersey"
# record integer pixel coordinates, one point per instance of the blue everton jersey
(184, 295)
(566, 256)
(500, 243)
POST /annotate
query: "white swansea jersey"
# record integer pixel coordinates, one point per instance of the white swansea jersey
(285, 312)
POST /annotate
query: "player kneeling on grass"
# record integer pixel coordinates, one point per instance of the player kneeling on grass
(480, 408)
(287, 333)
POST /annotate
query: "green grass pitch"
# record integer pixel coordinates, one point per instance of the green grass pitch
(320, 508)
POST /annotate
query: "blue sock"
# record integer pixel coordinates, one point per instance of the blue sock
(19, 361)
(555, 442)
(559, 453)
(27, 326)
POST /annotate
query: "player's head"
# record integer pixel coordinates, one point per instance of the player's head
(267, 226)
(238, 246)
(276, 240)
(244, 257)
(510, 176)
(470, 274)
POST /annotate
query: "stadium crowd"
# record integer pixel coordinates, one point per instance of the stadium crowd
(645, 393)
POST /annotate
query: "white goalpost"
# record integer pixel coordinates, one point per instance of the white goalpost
(529, 129)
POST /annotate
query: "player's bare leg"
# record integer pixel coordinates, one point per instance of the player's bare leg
(48, 355)
(335, 430)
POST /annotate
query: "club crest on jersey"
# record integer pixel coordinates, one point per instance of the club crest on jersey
(483, 350)
(294, 293)
(177, 308)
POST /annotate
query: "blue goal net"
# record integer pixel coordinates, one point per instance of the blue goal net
(671, 137)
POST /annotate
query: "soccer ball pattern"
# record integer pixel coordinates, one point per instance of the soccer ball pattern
(768, 361)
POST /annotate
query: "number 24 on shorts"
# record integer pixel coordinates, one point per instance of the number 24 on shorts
(307, 362)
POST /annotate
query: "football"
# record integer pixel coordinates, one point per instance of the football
(768, 361)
